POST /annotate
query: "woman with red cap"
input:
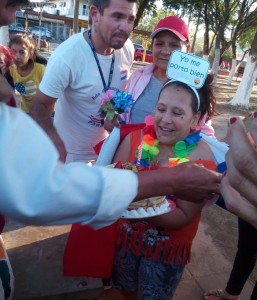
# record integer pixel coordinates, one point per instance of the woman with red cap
(171, 33)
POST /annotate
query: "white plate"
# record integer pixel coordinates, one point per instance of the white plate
(141, 213)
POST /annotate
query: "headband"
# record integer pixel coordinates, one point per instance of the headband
(191, 87)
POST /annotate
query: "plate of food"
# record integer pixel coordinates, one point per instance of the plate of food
(150, 207)
(147, 208)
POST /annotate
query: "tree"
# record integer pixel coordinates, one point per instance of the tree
(243, 26)
(245, 87)
(148, 22)
(223, 13)
(145, 7)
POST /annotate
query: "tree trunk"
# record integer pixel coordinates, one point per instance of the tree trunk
(206, 33)
(76, 17)
(196, 30)
(233, 67)
(245, 87)
(216, 62)
(220, 34)
(140, 11)
(4, 35)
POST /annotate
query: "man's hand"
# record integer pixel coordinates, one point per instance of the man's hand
(242, 159)
(110, 124)
(187, 181)
(196, 183)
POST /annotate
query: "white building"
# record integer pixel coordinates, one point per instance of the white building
(65, 8)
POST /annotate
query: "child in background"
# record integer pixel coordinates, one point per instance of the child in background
(28, 68)
(151, 253)
(7, 91)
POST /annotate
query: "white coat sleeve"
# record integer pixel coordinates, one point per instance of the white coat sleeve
(36, 188)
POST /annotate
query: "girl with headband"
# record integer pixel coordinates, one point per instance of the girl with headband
(151, 253)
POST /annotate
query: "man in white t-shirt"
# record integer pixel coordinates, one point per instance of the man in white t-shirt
(79, 72)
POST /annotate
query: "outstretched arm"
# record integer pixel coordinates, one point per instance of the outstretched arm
(185, 181)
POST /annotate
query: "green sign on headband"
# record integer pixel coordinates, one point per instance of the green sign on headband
(188, 68)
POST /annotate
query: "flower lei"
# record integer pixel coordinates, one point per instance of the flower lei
(148, 149)
(115, 104)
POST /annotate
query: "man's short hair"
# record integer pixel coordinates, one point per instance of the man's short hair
(102, 4)
(17, 2)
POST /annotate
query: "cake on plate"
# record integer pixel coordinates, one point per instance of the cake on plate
(149, 207)
(145, 208)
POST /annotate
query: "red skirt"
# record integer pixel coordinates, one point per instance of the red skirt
(90, 252)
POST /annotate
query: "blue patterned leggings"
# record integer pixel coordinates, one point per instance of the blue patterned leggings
(153, 280)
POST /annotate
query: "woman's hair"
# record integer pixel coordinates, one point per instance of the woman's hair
(206, 95)
(8, 60)
(30, 44)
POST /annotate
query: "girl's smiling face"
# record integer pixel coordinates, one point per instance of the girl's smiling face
(174, 118)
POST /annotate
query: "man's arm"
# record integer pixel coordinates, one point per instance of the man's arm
(186, 181)
(36, 188)
(41, 110)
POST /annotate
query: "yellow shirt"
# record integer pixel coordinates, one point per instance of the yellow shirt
(27, 85)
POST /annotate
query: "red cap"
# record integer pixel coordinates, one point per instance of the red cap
(173, 24)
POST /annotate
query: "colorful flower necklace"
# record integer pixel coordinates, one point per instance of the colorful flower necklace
(148, 149)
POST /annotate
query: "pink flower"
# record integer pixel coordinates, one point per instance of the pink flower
(149, 120)
(106, 97)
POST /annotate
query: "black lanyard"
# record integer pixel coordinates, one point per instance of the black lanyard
(98, 64)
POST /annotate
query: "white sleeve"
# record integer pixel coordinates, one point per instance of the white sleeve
(57, 76)
(36, 188)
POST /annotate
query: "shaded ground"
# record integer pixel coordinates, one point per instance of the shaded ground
(224, 94)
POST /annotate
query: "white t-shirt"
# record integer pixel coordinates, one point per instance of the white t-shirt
(73, 77)
(36, 188)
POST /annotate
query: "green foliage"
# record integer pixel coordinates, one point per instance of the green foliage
(246, 39)
(147, 23)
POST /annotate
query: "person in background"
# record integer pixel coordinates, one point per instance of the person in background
(151, 253)
(28, 68)
(79, 72)
(171, 33)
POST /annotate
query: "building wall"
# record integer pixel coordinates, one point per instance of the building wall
(66, 8)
